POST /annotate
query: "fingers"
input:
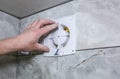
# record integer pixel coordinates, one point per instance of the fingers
(40, 23)
(47, 29)
(42, 48)
(45, 22)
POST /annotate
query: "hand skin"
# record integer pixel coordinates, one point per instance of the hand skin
(28, 40)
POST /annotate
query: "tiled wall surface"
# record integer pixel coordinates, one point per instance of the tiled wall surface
(88, 64)
(98, 26)
(8, 67)
(9, 27)
(98, 23)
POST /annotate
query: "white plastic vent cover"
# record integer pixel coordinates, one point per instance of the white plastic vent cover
(62, 40)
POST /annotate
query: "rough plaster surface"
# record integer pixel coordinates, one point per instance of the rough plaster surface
(99, 22)
(9, 27)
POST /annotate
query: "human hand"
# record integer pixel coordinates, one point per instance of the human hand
(28, 40)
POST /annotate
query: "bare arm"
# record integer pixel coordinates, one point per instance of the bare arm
(28, 40)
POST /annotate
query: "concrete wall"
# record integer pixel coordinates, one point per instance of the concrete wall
(99, 28)
(9, 27)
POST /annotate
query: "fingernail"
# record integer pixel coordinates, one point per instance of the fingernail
(52, 21)
(54, 26)
(57, 24)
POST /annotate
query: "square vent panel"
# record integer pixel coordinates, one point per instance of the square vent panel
(23, 8)
(62, 41)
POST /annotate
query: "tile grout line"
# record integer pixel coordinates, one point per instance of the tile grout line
(98, 48)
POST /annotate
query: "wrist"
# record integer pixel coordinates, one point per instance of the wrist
(9, 45)
(18, 43)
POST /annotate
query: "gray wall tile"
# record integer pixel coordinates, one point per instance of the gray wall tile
(91, 64)
(94, 18)
(9, 27)
(7, 67)
(36, 67)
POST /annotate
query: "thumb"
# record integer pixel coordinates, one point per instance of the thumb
(42, 48)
